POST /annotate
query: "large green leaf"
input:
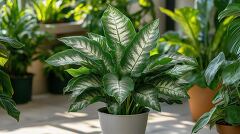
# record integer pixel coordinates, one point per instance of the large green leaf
(180, 70)
(170, 88)
(147, 97)
(231, 73)
(77, 72)
(81, 84)
(67, 57)
(6, 83)
(118, 29)
(100, 39)
(203, 121)
(134, 60)
(88, 97)
(12, 42)
(120, 88)
(88, 47)
(188, 19)
(213, 67)
(9, 105)
(233, 9)
(233, 38)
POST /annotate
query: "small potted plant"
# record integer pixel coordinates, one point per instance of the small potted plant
(21, 25)
(54, 16)
(201, 42)
(120, 72)
(227, 101)
(6, 90)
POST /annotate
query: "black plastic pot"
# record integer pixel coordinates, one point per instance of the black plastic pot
(55, 84)
(22, 86)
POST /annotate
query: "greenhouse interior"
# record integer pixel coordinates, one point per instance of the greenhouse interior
(119, 66)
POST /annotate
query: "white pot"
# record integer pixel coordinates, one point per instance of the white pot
(123, 124)
(62, 28)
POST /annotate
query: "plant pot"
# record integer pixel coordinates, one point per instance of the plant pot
(200, 101)
(22, 86)
(227, 129)
(122, 124)
(55, 84)
(62, 28)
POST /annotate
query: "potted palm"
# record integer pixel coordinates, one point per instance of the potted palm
(21, 25)
(227, 101)
(202, 42)
(6, 90)
(119, 71)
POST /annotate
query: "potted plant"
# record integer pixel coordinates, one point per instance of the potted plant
(202, 39)
(227, 101)
(21, 25)
(119, 71)
(55, 16)
(6, 90)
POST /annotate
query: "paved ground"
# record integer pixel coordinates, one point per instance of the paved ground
(47, 114)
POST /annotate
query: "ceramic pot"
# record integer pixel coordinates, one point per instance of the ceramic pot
(123, 124)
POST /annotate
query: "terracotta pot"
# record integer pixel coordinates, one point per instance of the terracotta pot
(200, 101)
(225, 129)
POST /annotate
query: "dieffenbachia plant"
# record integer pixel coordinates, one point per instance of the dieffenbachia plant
(6, 90)
(117, 68)
(225, 69)
(200, 37)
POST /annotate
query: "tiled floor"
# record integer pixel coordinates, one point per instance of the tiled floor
(47, 114)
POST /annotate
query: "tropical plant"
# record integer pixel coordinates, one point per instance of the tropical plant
(201, 39)
(117, 68)
(21, 25)
(91, 11)
(6, 90)
(227, 100)
(52, 11)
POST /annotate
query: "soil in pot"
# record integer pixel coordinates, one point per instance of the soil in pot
(55, 84)
(22, 86)
(123, 124)
(200, 101)
(227, 129)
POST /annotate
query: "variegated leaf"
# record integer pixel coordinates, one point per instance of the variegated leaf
(134, 60)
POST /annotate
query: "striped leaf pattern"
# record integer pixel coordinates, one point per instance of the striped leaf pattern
(100, 39)
(134, 60)
(171, 88)
(118, 88)
(148, 97)
(118, 29)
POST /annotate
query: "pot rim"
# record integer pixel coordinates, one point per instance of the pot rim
(100, 110)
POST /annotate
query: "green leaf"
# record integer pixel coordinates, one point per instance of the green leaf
(233, 38)
(203, 121)
(12, 42)
(67, 57)
(120, 88)
(170, 88)
(213, 67)
(118, 29)
(88, 97)
(89, 48)
(232, 115)
(6, 84)
(77, 72)
(147, 97)
(188, 19)
(9, 105)
(100, 39)
(134, 60)
(180, 70)
(231, 73)
(233, 9)
(81, 84)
